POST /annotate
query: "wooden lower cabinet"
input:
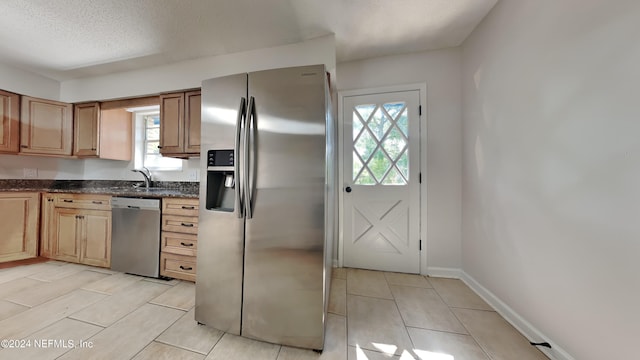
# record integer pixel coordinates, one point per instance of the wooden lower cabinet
(46, 224)
(77, 235)
(96, 243)
(19, 213)
(179, 238)
(66, 235)
(178, 266)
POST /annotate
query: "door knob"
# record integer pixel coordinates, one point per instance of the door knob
(348, 189)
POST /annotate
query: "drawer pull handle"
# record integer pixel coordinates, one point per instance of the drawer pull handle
(188, 207)
(187, 225)
(186, 267)
(97, 202)
(67, 200)
(186, 244)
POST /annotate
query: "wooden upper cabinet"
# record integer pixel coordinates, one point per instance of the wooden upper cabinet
(192, 121)
(86, 128)
(9, 122)
(105, 134)
(46, 127)
(180, 124)
(172, 123)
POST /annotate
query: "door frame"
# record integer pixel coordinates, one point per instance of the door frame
(422, 89)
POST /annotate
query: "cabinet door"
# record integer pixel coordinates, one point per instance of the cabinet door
(19, 224)
(9, 121)
(86, 128)
(192, 122)
(116, 134)
(66, 239)
(96, 238)
(46, 127)
(46, 224)
(172, 123)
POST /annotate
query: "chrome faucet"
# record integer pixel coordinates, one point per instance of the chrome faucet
(147, 176)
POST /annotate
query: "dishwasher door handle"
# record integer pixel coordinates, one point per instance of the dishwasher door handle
(133, 207)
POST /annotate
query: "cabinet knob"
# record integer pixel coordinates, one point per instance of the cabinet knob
(159, 147)
(187, 225)
(186, 244)
(24, 146)
(188, 207)
(186, 267)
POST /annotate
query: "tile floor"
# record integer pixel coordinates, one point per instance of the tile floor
(373, 315)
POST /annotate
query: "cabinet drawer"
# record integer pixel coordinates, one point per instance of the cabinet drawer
(181, 207)
(80, 201)
(180, 224)
(181, 244)
(178, 266)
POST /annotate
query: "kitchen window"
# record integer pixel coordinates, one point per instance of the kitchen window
(149, 154)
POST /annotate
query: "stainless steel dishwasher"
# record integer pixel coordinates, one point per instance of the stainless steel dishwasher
(135, 236)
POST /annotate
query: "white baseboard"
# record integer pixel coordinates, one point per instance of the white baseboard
(522, 325)
(452, 273)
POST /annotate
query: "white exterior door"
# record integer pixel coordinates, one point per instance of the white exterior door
(381, 172)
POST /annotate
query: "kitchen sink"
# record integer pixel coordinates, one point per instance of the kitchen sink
(153, 190)
(143, 190)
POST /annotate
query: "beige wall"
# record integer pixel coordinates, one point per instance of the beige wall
(26, 83)
(551, 172)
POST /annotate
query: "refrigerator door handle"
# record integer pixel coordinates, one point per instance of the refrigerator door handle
(247, 130)
(236, 163)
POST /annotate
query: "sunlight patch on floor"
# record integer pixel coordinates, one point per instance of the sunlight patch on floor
(385, 348)
(428, 355)
(389, 351)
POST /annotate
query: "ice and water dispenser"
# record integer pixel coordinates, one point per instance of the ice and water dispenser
(221, 180)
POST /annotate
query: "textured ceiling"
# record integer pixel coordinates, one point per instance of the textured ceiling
(65, 39)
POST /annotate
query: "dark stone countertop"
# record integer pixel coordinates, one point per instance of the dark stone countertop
(159, 189)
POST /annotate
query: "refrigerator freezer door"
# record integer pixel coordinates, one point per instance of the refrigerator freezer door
(220, 233)
(284, 245)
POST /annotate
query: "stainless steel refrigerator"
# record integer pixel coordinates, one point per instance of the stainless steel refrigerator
(267, 198)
